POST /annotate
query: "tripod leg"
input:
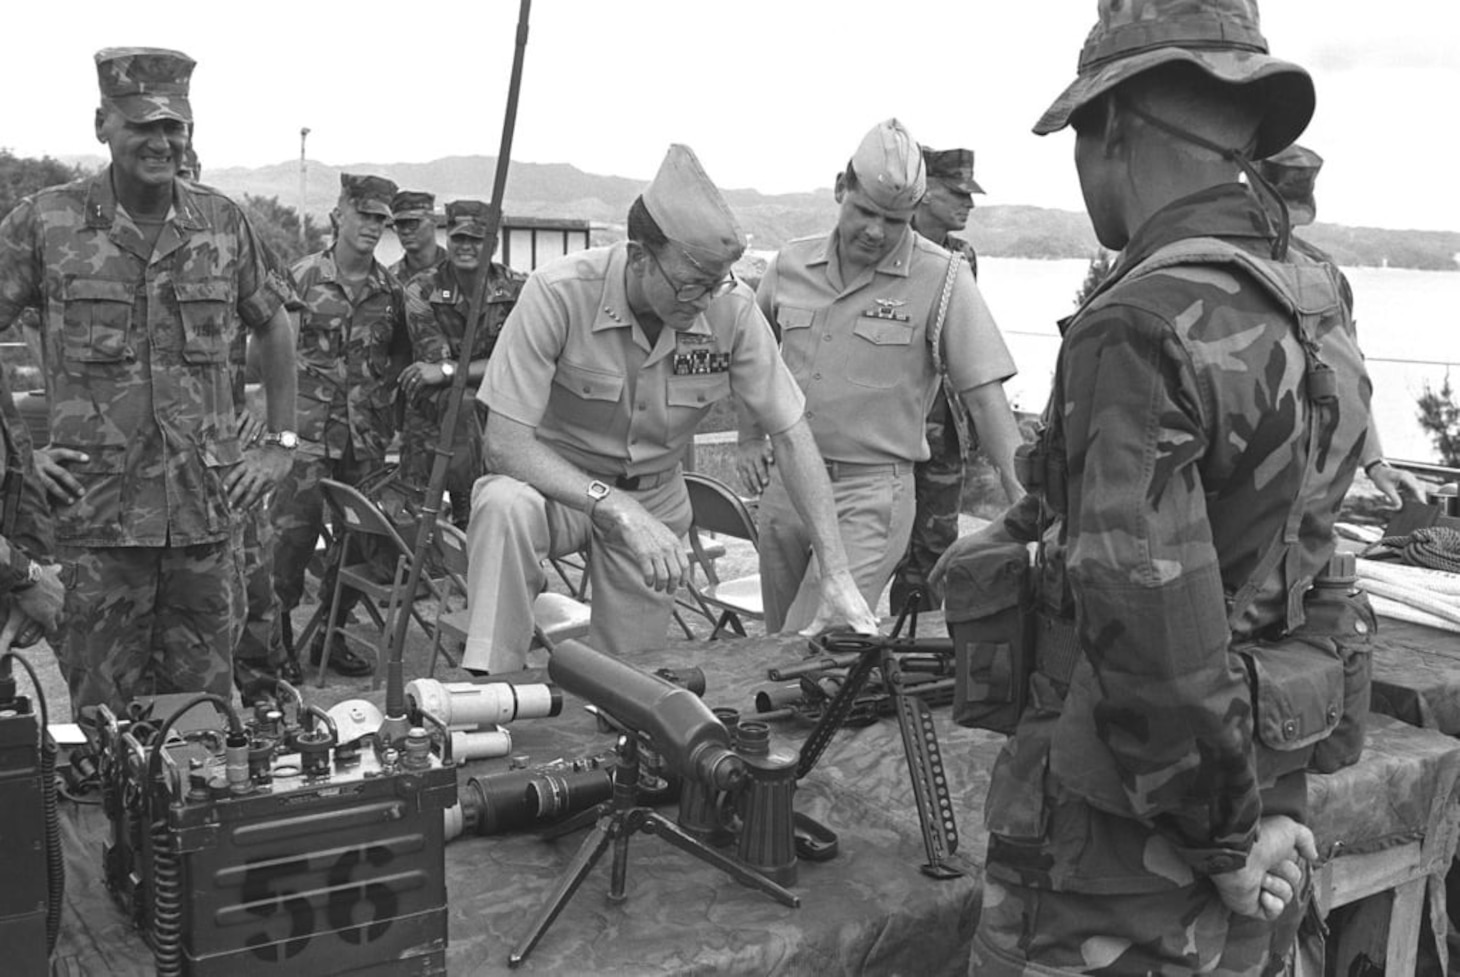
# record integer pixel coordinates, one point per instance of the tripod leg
(588, 854)
(619, 870)
(656, 823)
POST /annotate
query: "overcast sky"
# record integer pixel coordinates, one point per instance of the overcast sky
(772, 94)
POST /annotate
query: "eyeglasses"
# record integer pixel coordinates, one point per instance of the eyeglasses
(694, 291)
(406, 225)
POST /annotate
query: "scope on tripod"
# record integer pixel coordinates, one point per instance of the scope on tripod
(693, 742)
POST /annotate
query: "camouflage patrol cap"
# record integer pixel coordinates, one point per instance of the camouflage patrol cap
(954, 167)
(889, 167)
(189, 168)
(1221, 37)
(690, 210)
(368, 194)
(145, 84)
(468, 218)
(412, 205)
(1293, 173)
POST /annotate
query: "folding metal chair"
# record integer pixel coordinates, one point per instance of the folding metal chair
(716, 508)
(355, 515)
(556, 617)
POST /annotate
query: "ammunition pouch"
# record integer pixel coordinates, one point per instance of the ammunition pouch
(1001, 636)
(1311, 688)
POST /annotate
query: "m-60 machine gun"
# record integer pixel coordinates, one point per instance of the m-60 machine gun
(902, 676)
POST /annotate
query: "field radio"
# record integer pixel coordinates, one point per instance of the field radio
(237, 846)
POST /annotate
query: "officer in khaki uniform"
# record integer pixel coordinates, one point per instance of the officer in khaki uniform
(602, 372)
(938, 481)
(143, 280)
(856, 310)
(413, 218)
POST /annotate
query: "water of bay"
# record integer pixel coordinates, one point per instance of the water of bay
(1409, 326)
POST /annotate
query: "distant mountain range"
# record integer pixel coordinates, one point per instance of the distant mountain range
(563, 190)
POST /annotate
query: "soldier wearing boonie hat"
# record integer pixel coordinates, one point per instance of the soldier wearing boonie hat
(352, 345)
(413, 215)
(857, 311)
(436, 309)
(150, 479)
(938, 481)
(1144, 816)
(609, 360)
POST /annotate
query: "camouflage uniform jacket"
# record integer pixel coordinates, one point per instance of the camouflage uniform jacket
(137, 344)
(26, 521)
(405, 275)
(1179, 412)
(350, 354)
(948, 418)
(436, 317)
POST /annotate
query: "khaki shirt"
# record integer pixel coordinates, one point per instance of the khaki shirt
(860, 350)
(573, 362)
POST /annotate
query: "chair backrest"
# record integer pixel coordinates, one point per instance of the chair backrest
(716, 508)
(451, 548)
(360, 514)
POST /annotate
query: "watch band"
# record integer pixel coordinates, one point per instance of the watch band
(287, 440)
(597, 492)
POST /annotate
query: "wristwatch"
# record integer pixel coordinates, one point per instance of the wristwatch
(597, 492)
(30, 576)
(287, 440)
(448, 369)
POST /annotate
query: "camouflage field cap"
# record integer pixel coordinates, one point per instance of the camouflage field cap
(889, 167)
(412, 205)
(954, 167)
(469, 218)
(145, 84)
(1293, 173)
(690, 210)
(368, 194)
(1221, 37)
(189, 168)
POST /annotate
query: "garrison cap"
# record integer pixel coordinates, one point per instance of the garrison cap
(145, 84)
(889, 167)
(690, 210)
(1293, 173)
(467, 217)
(412, 205)
(1221, 37)
(369, 194)
(953, 166)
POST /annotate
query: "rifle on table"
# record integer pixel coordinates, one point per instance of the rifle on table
(905, 691)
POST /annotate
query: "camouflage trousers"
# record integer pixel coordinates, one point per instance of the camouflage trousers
(938, 492)
(150, 620)
(298, 516)
(420, 433)
(1024, 931)
(260, 650)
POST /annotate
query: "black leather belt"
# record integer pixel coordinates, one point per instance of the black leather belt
(635, 483)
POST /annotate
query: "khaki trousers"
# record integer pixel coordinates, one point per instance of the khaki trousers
(874, 514)
(514, 528)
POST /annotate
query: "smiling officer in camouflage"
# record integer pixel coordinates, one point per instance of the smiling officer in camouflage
(143, 280)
